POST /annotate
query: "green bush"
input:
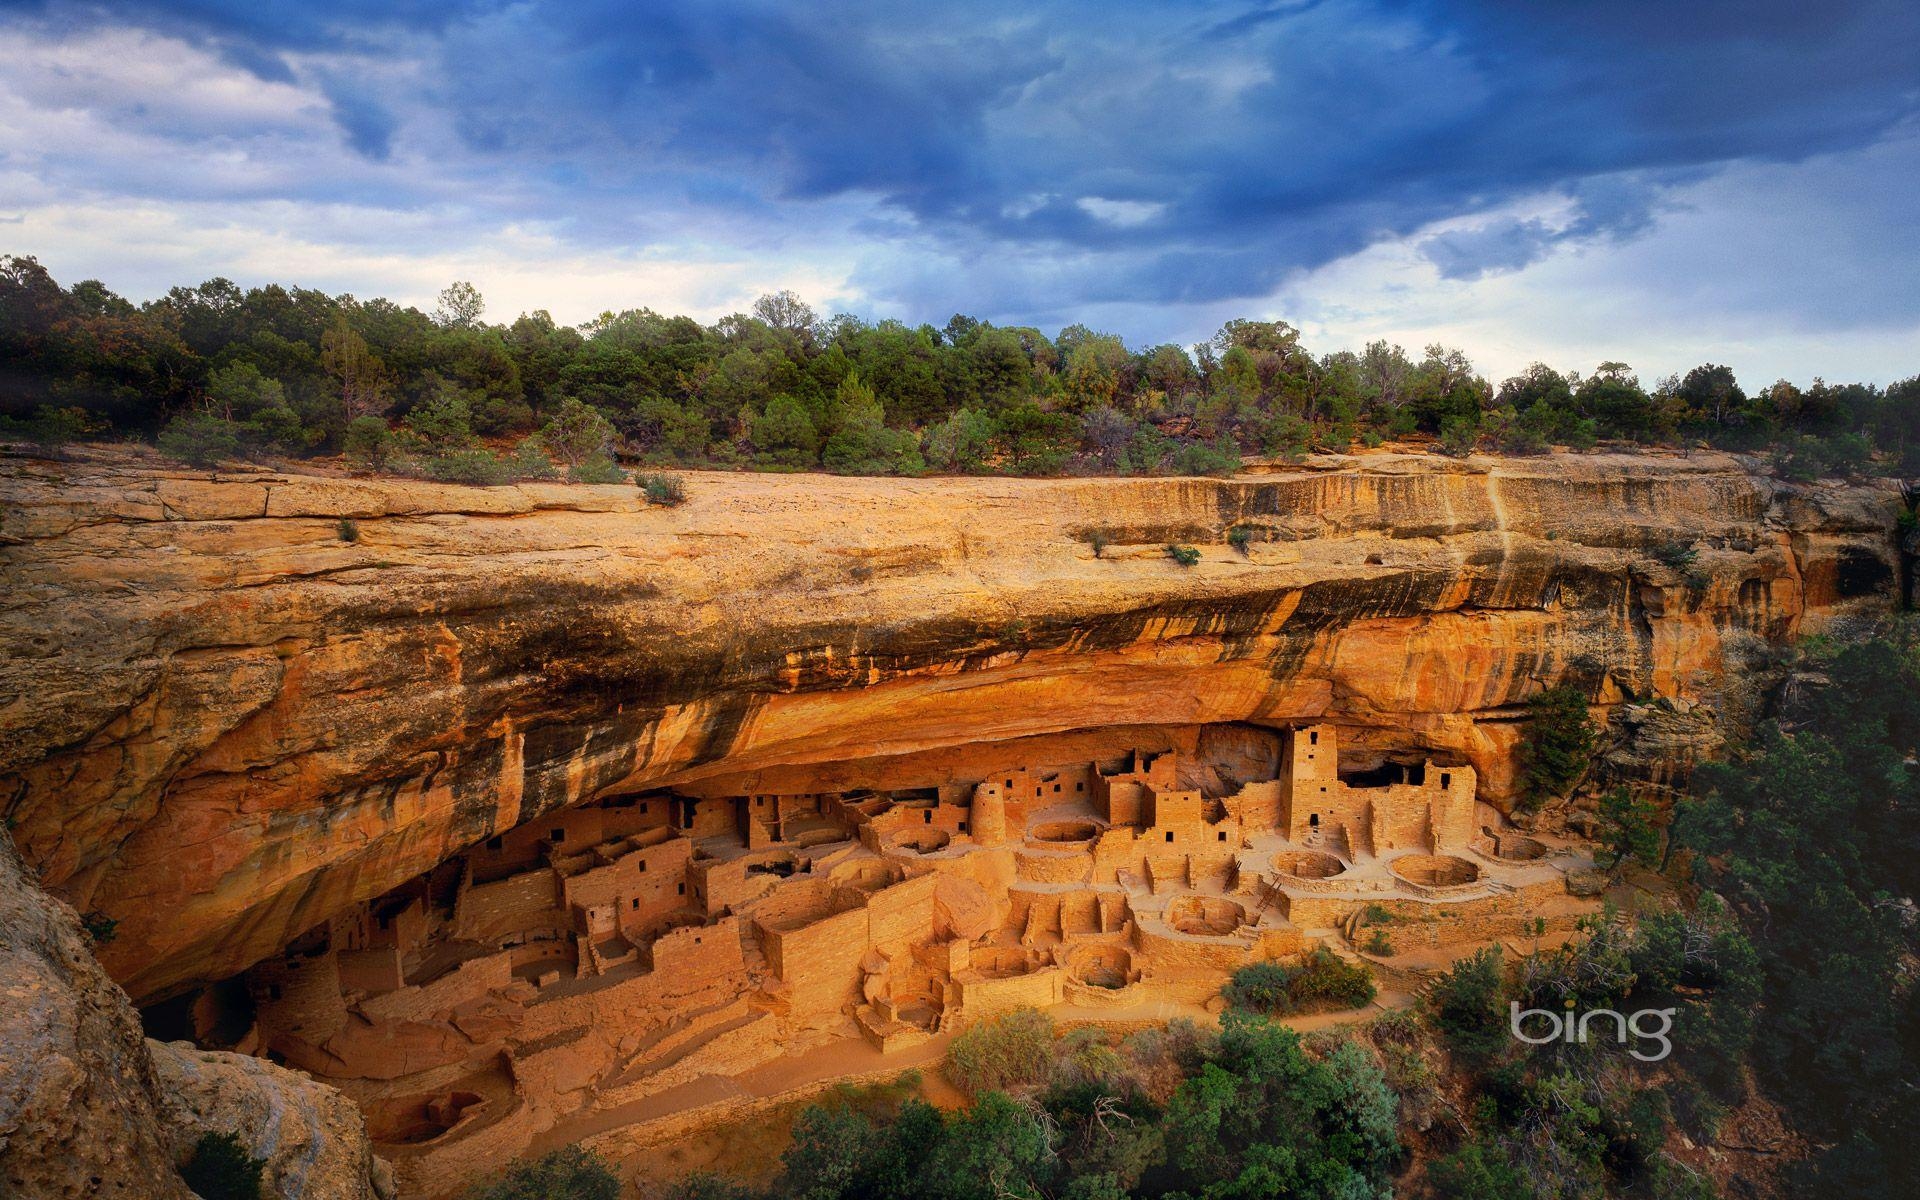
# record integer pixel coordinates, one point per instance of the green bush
(1458, 436)
(784, 434)
(1240, 537)
(1186, 556)
(529, 460)
(1321, 979)
(1466, 1005)
(577, 433)
(569, 1173)
(347, 529)
(482, 468)
(1198, 458)
(222, 1169)
(368, 443)
(442, 423)
(668, 490)
(1002, 1052)
(49, 430)
(1477, 1171)
(1379, 943)
(705, 1185)
(200, 439)
(596, 468)
(101, 928)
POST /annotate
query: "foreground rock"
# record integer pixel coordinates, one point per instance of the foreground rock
(232, 719)
(90, 1108)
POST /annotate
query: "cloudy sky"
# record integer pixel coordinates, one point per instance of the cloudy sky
(1646, 180)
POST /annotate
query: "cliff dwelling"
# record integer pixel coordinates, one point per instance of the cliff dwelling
(595, 957)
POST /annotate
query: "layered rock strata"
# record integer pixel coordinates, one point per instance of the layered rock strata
(238, 706)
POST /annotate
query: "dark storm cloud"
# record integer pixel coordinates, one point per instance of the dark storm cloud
(1121, 151)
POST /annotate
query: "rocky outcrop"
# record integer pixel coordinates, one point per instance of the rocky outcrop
(312, 1139)
(232, 716)
(79, 1098)
(90, 1108)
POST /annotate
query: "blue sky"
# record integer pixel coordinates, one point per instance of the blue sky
(1657, 182)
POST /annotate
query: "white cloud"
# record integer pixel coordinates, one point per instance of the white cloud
(1122, 213)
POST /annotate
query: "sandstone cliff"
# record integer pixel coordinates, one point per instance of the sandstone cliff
(227, 721)
(91, 1108)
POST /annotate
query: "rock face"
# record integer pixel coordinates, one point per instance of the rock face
(313, 1139)
(79, 1097)
(90, 1108)
(232, 717)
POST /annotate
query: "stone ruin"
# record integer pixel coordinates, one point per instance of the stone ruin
(584, 963)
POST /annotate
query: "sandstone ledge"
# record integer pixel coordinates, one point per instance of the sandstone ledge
(225, 723)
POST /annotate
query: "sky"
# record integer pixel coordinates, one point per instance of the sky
(1637, 180)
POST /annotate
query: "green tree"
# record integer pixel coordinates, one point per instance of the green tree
(442, 422)
(240, 393)
(368, 443)
(460, 306)
(783, 433)
(576, 432)
(861, 443)
(1628, 831)
(1557, 746)
(962, 443)
(200, 439)
(359, 377)
(1467, 1004)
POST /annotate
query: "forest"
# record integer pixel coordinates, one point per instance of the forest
(216, 372)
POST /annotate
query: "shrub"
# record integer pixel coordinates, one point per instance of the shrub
(784, 434)
(529, 460)
(442, 423)
(596, 468)
(368, 443)
(1239, 537)
(1678, 555)
(1198, 458)
(963, 442)
(200, 439)
(705, 1185)
(1002, 1052)
(100, 927)
(1099, 539)
(482, 468)
(1322, 979)
(569, 1173)
(348, 529)
(669, 490)
(49, 430)
(1477, 1171)
(1186, 556)
(1162, 1056)
(221, 1169)
(576, 434)
(1465, 1005)
(1379, 943)
(1458, 436)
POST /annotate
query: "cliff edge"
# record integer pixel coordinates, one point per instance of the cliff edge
(239, 703)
